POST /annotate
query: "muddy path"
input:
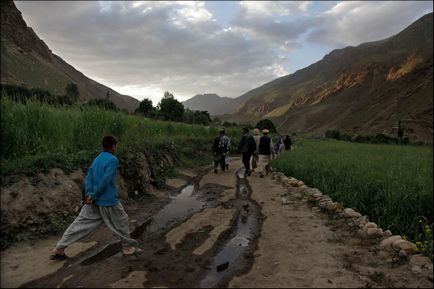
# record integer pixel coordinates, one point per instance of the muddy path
(215, 230)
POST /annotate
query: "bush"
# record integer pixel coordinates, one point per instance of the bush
(266, 124)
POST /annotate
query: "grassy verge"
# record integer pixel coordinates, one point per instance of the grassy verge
(391, 184)
(36, 136)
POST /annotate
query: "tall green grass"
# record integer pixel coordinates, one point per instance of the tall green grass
(391, 184)
(38, 136)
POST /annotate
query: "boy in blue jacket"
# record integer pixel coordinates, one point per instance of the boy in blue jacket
(101, 204)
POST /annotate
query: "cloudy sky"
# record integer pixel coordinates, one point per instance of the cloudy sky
(191, 47)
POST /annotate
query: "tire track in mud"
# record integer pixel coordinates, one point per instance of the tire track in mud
(230, 255)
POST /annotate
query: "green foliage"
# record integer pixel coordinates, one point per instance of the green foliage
(197, 117)
(424, 240)
(266, 124)
(391, 184)
(23, 94)
(146, 108)
(36, 136)
(378, 138)
(59, 222)
(102, 103)
(170, 108)
(71, 90)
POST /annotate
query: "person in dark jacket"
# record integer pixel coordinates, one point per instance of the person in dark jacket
(220, 149)
(266, 150)
(246, 147)
(288, 143)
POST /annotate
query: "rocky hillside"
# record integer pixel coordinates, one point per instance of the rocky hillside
(360, 90)
(27, 61)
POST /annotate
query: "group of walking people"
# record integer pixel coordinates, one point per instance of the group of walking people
(101, 201)
(256, 150)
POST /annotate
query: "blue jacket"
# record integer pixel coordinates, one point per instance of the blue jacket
(101, 180)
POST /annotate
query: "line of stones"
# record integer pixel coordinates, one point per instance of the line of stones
(365, 229)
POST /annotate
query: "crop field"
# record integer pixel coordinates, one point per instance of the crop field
(37, 136)
(391, 184)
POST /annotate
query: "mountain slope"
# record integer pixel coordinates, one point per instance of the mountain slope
(210, 102)
(26, 60)
(361, 90)
(214, 104)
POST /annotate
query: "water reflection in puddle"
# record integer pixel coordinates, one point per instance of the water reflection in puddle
(246, 226)
(181, 205)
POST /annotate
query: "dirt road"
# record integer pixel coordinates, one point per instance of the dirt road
(209, 230)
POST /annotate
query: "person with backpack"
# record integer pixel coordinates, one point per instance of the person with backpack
(266, 150)
(101, 204)
(227, 154)
(220, 149)
(246, 147)
(255, 154)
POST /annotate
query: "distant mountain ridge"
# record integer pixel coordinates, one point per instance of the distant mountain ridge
(27, 61)
(360, 90)
(214, 104)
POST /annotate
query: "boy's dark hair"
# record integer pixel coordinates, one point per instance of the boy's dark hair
(109, 141)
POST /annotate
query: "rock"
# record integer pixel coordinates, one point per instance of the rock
(387, 243)
(317, 195)
(351, 223)
(387, 233)
(403, 254)
(369, 225)
(300, 183)
(421, 261)
(285, 181)
(400, 244)
(350, 213)
(331, 206)
(315, 191)
(308, 193)
(298, 196)
(284, 201)
(416, 269)
(362, 221)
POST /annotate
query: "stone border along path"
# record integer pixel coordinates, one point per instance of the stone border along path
(405, 250)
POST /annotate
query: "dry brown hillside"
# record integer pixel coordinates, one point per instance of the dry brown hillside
(26, 60)
(360, 90)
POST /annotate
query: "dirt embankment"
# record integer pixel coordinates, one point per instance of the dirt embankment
(32, 206)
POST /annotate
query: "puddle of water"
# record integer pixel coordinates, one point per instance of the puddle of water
(245, 230)
(181, 205)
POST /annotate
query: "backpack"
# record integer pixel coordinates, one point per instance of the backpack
(215, 146)
(223, 144)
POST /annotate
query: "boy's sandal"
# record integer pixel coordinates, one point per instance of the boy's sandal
(58, 257)
(137, 251)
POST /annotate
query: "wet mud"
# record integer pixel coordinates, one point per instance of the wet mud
(163, 265)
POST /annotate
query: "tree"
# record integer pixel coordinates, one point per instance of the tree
(146, 108)
(266, 123)
(71, 90)
(170, 108)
